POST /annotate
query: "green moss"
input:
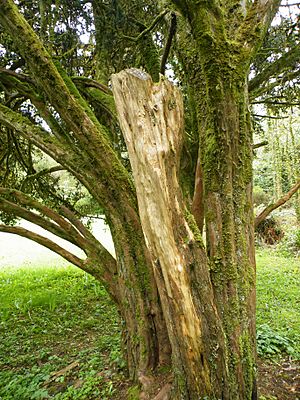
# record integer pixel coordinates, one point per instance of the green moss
(133, 393)
(246, 348)
(194, 228)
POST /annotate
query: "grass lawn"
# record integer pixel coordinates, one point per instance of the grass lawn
(59, 336)
(60, 332)
(278, 304)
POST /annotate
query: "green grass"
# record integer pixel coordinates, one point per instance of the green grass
(50, 318)
(278, 304)
(54, 317)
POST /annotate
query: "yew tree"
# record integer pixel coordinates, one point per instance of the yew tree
(161, 160)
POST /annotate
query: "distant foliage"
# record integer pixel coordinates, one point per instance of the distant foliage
(260, 196)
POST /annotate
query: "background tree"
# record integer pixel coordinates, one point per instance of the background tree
(186, 306)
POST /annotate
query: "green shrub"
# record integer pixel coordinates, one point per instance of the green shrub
(271, 343)
(290, 245)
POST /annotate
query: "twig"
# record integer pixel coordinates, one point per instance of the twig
(257, 145)
(268, 116)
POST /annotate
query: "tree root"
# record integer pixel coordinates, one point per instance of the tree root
(155, 388)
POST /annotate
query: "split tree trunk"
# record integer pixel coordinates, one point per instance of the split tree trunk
(152, 122)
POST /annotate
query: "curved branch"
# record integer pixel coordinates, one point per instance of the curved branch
(43, 172)
(57, 86)
(97, 159)
(263, 215)
(27, 201)
(69, 215)
(99, 262)
(91, 83)
(37, 219)
(17, 230)
(20, 77)
(287, 60)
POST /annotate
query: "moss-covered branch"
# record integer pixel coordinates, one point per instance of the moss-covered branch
(17, 230)
(87, 82)
(259, 15)
(271, 207)
(99, 262)
(67, 101)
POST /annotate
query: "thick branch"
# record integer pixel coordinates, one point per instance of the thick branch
(97, 160)
(99, 263)
(20, 77)
(286, 61)
(263, 215)
(27, 201)
(258, 19)
(44, 242)
(76, 222)
(63, 95)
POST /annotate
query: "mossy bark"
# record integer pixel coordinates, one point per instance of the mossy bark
(216, 70)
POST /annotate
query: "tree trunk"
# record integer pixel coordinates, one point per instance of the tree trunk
(210, 326)
(145, 340)
(226, 158)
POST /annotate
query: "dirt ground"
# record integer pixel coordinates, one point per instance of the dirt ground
(279, 379)
(276, 381)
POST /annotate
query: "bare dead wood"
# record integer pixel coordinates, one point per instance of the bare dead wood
(63, 371)
(198, 204)
(271, 207)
